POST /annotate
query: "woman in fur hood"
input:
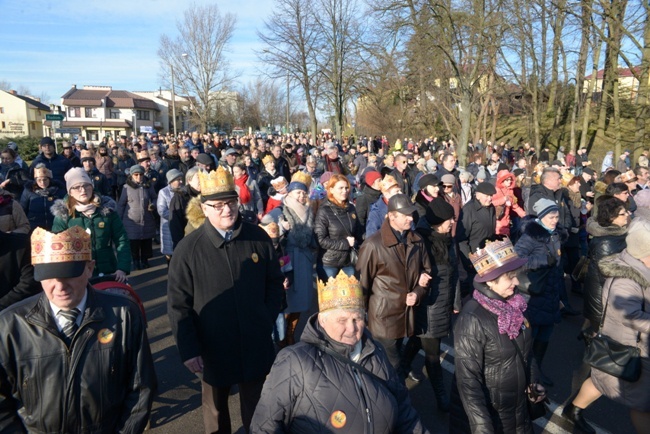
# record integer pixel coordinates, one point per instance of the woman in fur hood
(84, 207)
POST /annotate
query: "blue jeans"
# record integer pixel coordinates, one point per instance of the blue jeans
(333, 271)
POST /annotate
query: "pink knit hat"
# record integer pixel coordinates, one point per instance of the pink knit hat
(75, 176)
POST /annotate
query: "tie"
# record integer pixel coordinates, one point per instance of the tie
(228, 235)
(70, 319)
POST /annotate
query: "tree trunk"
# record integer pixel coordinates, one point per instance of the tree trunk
(558, 24)
(644, 90)
(590, 93)
(582, 65)
(465, 124)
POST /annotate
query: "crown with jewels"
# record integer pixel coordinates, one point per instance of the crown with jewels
(71, 245)
(42, 172)
(496, 254)
(388, 182)
(143, 155)
(216, 182)
(340, 292)
(302, 177)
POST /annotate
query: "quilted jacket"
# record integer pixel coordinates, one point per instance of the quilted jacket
(309, 391)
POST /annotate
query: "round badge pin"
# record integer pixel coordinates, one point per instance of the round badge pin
(338, 419)
(105, 336)
(255, 258)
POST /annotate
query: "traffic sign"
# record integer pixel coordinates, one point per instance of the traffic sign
(54, 117)
(56, 124)
(68, 130)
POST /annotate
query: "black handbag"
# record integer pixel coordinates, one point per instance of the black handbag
(535, 409)
(580, 270)
(612, 357)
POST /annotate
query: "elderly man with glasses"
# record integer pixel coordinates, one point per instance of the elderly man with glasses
(225, 291)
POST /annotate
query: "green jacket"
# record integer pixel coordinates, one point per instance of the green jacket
(106, 231)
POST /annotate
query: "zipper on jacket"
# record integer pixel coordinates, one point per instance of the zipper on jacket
(357, 379)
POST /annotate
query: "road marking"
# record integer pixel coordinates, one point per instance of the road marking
(545, 423)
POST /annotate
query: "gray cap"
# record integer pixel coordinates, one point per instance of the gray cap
(173, 174)
(486, 188)
(13, 146)
(80, 141)
(230, 151)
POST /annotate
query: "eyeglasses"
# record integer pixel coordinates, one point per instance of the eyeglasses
(448, 186)
(81, 187)
(219, 207)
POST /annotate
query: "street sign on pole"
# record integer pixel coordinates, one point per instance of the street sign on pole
(56, 124)
(54, 117)
(68, 130)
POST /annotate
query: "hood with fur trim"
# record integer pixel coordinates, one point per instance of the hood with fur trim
(624, 266)
(194, 214)
(596, 230)
(539, 233)
(600, 187)
(502, 175)
(60, 208)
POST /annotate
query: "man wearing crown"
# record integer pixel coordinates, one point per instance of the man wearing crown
(337, 378)
(73, 359)
(225, 291)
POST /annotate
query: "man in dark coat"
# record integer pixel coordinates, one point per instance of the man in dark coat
(402, 174)
(224, 294)
(58, 164)
(369, 195)
(16, 270)
(477, 223)
(178, 205)
(68, 152)
(100, 183)
(73, 359)
(394, 268)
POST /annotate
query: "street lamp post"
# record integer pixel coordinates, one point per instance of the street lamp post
(173, 100)
(101, 119)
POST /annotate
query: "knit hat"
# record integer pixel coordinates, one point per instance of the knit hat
(325, 177)
(638, 238)
(46, 141)
(136, 169)
(448, 179)
(465, 176)
(76, 176)
(173, 175)
(295, 185)
(371, 177)
(544, 206)
(518, 172)
(438, 211)
(481, 173)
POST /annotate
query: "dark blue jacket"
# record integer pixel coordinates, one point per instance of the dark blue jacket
(376, 216)
(58, 164)
(37, 204)
(542, 248)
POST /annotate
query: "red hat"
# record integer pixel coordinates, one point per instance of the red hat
(371, 177)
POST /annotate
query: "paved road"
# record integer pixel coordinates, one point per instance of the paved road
(177, 408)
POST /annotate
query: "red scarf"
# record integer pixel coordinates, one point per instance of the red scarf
(244, 192)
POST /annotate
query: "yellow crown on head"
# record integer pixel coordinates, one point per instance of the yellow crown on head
(42, 172)
(388, 182)
(71, 245)
(342, 292)
(268, 159)
(216, 181)
(495, 254)
(301, 177)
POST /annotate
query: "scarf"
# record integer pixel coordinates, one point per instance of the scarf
(244, 192)
(5, 199)
(300, 209)
(510, 313)
(87, 209)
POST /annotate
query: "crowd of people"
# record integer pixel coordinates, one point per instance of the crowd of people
(400, 239)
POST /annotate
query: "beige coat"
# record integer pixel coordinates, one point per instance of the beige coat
(629, 281)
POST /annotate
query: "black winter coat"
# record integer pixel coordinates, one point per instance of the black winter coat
(605, 241)
(58, 164)
(37, 204)
(433, 313)
(367, 197)
(16, 270)
(476, 224)
(177, 217)
(488, 391)
(332, 226)
(307, 385)
(223, 299)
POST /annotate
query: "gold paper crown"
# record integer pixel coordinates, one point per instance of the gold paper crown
(628, 176)
(42, 172)
(302, 177)
(342, 292)
(143, 155)
(496, 254)
(566, 178)
(87, 154)
(388, 182)
(216, 181)
(279, 183)
(70, 245)
(268, 159)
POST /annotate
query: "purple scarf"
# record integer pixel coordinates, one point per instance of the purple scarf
(510, 313)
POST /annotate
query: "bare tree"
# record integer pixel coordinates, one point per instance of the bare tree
(292, 47)
(197, 56)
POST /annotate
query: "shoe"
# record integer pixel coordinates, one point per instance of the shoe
(415, 376)
(574, 415)
(569, 311)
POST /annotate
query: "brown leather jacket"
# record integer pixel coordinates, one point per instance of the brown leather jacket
(388, 271)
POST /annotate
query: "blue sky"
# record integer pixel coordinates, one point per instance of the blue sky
(48, 45)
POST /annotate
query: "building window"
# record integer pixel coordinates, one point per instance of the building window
(142, 115)
(4, 125)
(2, 110)
(74, 112)
(89, 112)
(114, 114)
(32, 125)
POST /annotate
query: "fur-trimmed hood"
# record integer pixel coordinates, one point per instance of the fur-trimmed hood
(596, 230)
(60, 208)
(600, 187)
(194, 213)
(538, 233)
(624, 266)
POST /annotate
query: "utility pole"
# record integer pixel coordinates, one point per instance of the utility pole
(173, 100)
(287, 103)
